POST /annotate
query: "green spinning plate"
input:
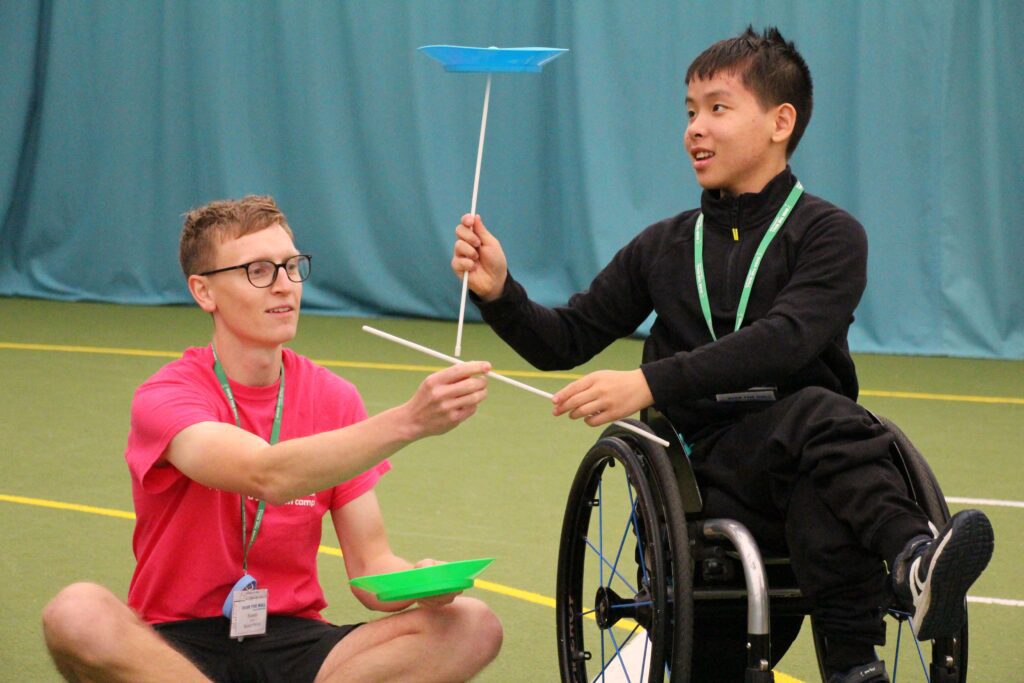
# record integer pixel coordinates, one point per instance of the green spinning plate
(423, 582)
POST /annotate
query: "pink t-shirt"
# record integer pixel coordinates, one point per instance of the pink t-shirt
(188, 537)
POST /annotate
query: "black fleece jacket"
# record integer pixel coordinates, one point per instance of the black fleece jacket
(794, 333)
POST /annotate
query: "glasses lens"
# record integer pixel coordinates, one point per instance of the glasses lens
(297, 268)
(261, 273)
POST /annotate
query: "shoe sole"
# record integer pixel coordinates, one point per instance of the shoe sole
(965, 555)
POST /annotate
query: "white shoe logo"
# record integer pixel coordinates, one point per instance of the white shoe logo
(920, 590)
(917, 586)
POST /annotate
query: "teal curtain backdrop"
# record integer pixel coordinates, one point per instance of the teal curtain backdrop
(116, 116)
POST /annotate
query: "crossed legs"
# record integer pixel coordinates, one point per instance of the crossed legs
(451, 643)
(93, 636)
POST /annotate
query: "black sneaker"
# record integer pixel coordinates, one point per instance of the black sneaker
(873, 672)
(931, 576)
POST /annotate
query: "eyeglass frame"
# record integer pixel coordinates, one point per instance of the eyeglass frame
(277, 266)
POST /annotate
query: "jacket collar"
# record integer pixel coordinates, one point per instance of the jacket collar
(750, 210)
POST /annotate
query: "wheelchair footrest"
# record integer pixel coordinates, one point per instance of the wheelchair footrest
(942, 674)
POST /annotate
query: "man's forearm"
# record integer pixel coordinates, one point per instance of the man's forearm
(298, 467)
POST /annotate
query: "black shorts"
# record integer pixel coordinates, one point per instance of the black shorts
(292, 651)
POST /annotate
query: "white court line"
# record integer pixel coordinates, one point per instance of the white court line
(986, 501)
(995, 601)
(997, 503)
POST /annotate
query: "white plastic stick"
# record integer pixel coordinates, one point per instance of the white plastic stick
(501, 378)
(472, 210)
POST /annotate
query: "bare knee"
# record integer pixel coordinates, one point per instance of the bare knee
(479, 631)
(83, 621)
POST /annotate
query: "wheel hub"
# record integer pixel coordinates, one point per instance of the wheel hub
(604, 604)
(609, 607)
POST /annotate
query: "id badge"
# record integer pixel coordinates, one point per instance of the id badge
(246, 607)
(249, 613)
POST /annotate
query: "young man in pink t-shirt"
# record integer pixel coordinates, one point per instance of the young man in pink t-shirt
(236, 452)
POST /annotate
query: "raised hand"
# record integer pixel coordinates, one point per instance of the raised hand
(448, 397)
(480, 253)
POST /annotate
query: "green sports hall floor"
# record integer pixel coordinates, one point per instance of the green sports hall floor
(494, 487)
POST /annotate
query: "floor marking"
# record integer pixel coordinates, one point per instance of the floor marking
(108, 512)
(434, 368)
(985, 501)
(995, 601)
(501, 589)
(943, 397)
(518, 593)
(527, 596)
(88, 349)
(365, 365)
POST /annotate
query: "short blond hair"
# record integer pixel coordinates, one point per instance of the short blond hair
(222, 220)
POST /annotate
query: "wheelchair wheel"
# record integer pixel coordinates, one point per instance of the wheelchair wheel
(623, 550)
(668, 488)
(949, 655)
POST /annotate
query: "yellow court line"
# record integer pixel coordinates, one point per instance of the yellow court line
(432, 368)
(88, 349)
(501, 589)
(535, 598)
(325, 549)
(878, 393)
(362, 365)
(520, 594)
(943, 397)
(75, 507)
(526, 596)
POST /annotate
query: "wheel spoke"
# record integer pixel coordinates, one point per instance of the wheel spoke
(639, 540)
(618, 654)
(622, 541)
(896, 659)
(604, 561)
(630, 636)
(924, 667)
(603, 665)
(647, 641)
(643, 603)
(600, 531)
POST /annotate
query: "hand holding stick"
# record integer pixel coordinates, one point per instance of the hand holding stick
(501, 378)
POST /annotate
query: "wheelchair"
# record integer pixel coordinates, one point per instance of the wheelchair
(640, 570)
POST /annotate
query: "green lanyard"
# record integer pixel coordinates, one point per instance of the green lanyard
(748, 285)
(275, 432)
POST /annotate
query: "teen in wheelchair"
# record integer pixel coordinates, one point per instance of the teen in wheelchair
(754, 294)
(638, 552)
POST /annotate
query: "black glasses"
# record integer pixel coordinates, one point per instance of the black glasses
(263, 273)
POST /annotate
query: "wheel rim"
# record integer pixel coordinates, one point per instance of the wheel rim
(612, 608)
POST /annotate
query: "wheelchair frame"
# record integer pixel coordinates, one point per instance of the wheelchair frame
(670, 544)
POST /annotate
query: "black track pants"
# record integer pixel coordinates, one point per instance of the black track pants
(812, 475)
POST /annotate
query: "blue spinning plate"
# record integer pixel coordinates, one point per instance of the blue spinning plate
(492, 59)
